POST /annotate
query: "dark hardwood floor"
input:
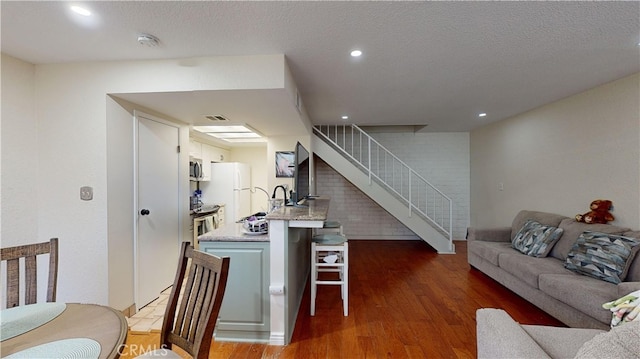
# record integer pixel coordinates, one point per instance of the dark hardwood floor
(405, 301)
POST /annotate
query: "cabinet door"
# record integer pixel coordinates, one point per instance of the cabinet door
(195, 150)
(218, 154)
(246, 304)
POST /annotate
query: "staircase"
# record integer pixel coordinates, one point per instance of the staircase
(388, 181)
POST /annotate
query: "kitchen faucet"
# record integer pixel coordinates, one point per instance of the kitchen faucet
(284, 190)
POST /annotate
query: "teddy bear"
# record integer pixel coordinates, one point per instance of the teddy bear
(599, 212)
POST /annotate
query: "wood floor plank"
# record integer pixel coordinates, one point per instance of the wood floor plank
(222, 350)
(414, 352)
(405, 301)
(274, 352)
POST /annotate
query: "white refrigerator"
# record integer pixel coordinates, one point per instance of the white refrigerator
(230, 185)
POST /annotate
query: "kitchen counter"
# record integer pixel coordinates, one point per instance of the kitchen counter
(314, 210)
(232, 233)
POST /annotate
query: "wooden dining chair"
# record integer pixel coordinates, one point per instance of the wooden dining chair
(13, 255)
(194, 304)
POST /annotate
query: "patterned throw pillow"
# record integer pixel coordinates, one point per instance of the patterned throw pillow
(602, 256)
(535, 239)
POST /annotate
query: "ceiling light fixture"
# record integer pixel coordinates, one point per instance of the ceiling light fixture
(482, 114)
(231, 133)
(356, 53)
(80, 10)
(345, 117)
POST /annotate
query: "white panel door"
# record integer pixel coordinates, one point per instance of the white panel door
(158, 217)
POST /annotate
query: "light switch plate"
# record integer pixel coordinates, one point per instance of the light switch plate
(86, 193)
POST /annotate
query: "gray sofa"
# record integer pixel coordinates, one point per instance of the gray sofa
(499, 336)
(572, 298)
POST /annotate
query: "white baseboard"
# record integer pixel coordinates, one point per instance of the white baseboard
(276, 339)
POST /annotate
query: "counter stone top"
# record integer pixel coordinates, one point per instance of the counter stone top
(232, 233)
(315, 210)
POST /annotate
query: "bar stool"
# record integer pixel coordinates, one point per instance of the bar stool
(330, 253)
(330, 227)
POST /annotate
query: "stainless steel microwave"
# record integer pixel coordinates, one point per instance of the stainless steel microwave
(195, 170)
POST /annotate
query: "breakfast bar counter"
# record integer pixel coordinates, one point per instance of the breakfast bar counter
(290, 264)
(313, 210)
(267, 273)
(312, 215)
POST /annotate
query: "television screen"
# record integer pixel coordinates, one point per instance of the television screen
(301, 173)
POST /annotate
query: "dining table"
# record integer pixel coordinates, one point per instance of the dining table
(56, 330)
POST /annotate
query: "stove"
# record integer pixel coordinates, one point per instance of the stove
(206, 208)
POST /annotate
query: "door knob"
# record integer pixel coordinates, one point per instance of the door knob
(145, 212)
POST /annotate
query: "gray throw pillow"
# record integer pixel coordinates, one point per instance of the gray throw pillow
(535, 239)
(602, 256)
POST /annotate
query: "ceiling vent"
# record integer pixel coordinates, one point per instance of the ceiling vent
(217, 118)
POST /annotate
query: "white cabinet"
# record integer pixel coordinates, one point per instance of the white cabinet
(202, 153)
(205, 154)
(195, 150)
(215, 154)
(199, 150)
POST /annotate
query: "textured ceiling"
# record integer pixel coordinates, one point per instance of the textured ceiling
(425, 63)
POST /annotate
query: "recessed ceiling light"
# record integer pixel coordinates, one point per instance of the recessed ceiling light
(356, 53)
(80, 10)
(482, 114)
(345, 117)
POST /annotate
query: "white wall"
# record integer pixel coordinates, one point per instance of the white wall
(19, 155)
(120, 205)
(560, 157)
(19, 164)
(71, 147)
(282, 143)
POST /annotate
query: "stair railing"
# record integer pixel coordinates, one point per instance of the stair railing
(387, 169)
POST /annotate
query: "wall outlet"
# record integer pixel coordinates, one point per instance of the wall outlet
(86, 193)
(500, 186)
(276, 289)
